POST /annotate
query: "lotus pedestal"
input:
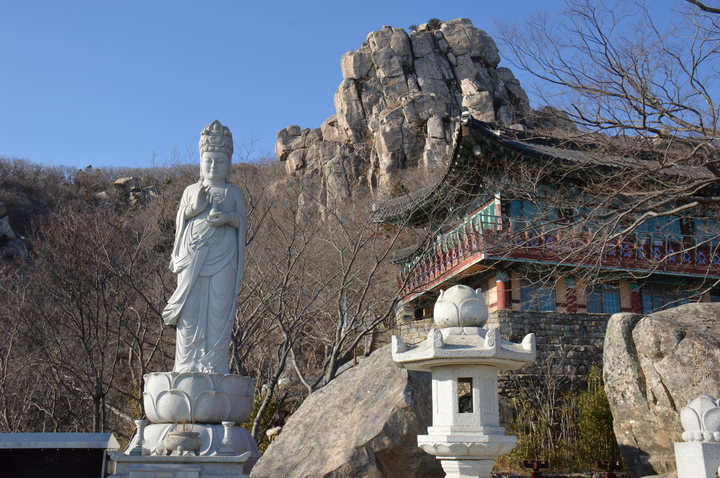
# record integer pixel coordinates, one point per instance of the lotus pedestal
(198, 402)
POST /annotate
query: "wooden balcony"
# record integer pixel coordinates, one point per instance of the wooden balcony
(480, 243)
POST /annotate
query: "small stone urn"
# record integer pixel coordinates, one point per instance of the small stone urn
(182, 442)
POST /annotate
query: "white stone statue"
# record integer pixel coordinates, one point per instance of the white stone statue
(208, 257)
(200, 393)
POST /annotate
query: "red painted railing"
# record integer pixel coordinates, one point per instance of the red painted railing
(503, 238)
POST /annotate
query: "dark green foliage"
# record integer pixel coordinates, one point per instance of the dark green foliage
(595, 422)
(263, 441)
(434, 24)
(568, 424)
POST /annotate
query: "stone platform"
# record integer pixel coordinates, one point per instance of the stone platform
(121, 465)
(211, 436)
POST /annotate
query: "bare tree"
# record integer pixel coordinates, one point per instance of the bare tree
(611, 68)
(85, 309)
(79, 310)
(316, 283)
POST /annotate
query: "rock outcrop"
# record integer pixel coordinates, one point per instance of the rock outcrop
(395, 106)
(653, 366)
(129, 190)
(363, 424)
(11, 246)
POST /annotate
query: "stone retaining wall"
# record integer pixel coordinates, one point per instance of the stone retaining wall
(415, 331)
(568, 345)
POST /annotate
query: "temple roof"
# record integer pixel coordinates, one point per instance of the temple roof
(474, 138)
(402, 204)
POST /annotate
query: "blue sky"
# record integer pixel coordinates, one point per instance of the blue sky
(123, 83)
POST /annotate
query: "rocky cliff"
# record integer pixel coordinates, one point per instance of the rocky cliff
(395, 109)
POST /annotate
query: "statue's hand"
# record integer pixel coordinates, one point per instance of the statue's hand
(219, 219)
(199, 202)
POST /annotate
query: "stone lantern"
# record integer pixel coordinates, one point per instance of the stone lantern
(464, 359)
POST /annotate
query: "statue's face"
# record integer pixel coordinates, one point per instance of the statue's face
(214, 166)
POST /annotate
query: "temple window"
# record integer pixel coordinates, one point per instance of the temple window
(658, 227)
(603, 299)
(706, 229)
(659, 297)
(537, 296)
(531, 216)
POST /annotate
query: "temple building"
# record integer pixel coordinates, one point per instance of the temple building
(559, 232)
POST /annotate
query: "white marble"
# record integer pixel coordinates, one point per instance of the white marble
(125, 466)
(209, 258)
(460, 306)
(455, 345)
(701, 420)
(136, 445)
(469, 468)
(464, 360)
(699, 456)
(211, 435)
(197, 397)
(697, 459)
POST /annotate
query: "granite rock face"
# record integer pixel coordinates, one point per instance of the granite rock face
(653, 366)
(395, 106)
(11, 246)
(363, 424)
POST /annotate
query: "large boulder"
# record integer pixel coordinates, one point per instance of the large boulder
(395, 105)
(653, 366)
(364, 423)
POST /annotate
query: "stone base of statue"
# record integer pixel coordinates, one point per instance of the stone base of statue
(205, 405)
(121, 465)
(211, 437)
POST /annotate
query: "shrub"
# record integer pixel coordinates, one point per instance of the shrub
(563, 421)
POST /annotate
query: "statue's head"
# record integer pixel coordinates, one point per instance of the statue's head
(216, 149)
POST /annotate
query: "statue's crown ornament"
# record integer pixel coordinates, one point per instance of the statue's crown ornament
(216, 138)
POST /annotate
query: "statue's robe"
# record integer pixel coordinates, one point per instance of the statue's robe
(209, 262)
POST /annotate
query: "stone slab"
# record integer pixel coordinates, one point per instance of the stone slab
(121, 465)
(170, 471)
(105, 441)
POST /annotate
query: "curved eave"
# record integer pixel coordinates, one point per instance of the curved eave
(413, 207)
(475, 140)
